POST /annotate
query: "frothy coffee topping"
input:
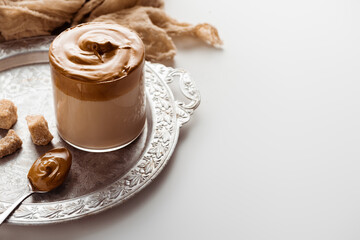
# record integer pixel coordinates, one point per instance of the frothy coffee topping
(96, 52)
(49, 171)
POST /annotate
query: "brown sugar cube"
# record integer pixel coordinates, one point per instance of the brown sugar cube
(39, 129)
(10, 143)
(8, 115)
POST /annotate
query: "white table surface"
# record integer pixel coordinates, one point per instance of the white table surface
(273, 150)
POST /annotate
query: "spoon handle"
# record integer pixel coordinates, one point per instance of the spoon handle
(8, 211)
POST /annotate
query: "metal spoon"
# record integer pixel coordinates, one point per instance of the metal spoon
(47, 173)
(30, 190)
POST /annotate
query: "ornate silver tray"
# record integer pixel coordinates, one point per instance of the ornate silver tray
(96, 181)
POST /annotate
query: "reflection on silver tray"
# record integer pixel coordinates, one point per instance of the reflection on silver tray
(96, 181)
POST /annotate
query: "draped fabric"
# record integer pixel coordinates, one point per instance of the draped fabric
(29, 18)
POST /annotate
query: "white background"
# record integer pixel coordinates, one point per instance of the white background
(273, 150)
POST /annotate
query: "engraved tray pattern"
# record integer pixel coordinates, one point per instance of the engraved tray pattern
(92, 186)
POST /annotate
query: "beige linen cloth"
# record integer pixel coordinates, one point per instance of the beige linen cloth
(27, 18)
